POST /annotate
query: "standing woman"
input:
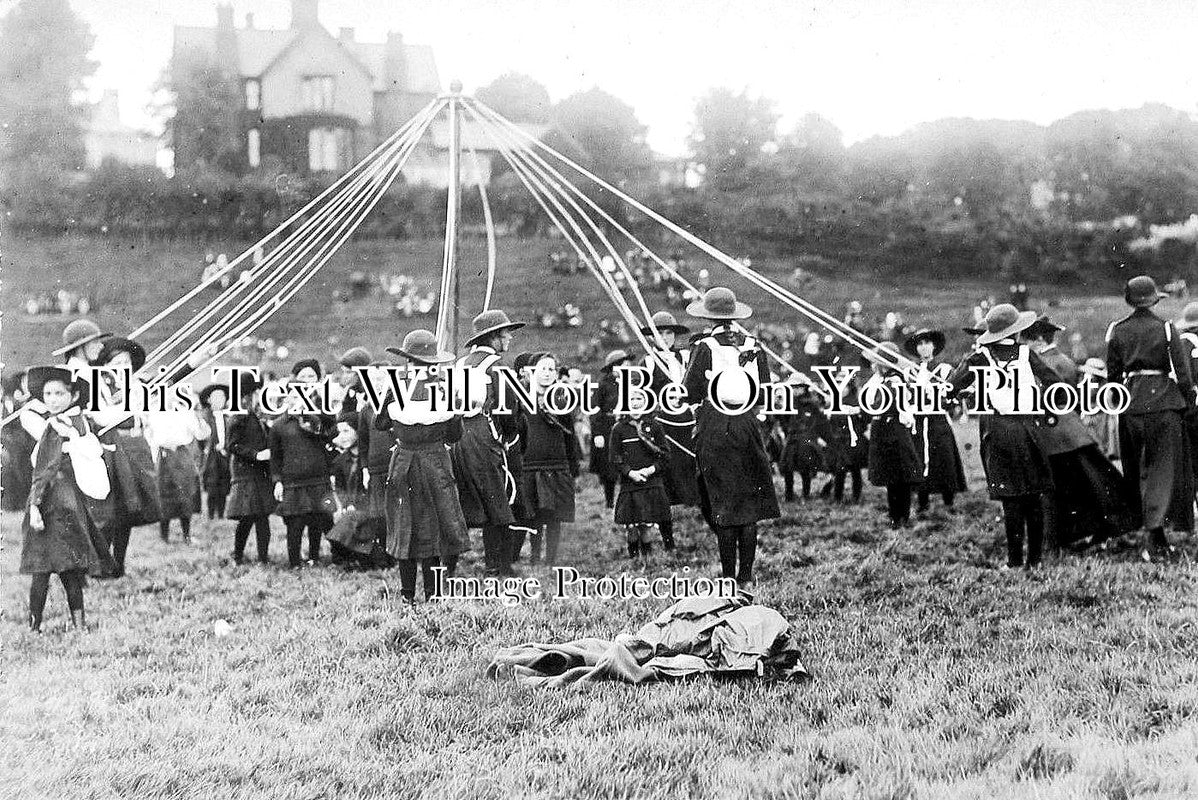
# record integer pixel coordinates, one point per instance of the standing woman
(425, 524)
(135, 493)
(606, 397)
(174, 438)
(215, 475)
(943, 470)
(251, 496)
(894, 460)
(1018, 473)
(550, 460)
(736, 488)
(666, 366)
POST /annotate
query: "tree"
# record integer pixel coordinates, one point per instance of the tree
(729, 133)
(604, 130)
(43, 63)
(517, 97)
(813, 157)
(202, 125)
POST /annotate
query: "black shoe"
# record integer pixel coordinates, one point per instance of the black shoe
(238, 559)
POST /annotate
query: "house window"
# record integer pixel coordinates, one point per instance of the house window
(318, 92)
(253, 94)
(328, 149)
(253, 148)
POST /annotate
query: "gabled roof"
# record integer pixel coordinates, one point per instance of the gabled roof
(258, 48)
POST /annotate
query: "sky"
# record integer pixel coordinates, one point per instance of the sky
(873, 68)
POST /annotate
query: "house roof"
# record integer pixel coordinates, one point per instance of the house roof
(258, 48)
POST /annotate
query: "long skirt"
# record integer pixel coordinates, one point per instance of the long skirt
(893, 456)
(216, 473)
(69, 540)
(424, 514)
(374, 498)
(251, 495)
(736, 485)
(1014, 462)
(483, 480)
(547, 495)
(134, 481)
(313, 499)
(178, 483)
(1091, 491)
(943, 468)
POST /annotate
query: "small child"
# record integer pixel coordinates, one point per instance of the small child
(638, 449)
(68, 468)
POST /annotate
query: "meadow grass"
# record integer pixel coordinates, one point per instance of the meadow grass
(935, 675)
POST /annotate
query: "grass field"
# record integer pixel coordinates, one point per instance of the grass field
(134, 279)
(935, 676)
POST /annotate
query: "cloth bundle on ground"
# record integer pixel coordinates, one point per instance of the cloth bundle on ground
(712, 635)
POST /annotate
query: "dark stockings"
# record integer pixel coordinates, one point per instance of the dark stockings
(738, 550)
(1023, 515)
(317, 525)
(898, 502)
(39, 588)
(242, 533)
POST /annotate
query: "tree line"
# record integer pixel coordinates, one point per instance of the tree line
(1062, 202)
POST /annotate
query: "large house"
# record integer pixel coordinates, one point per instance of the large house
(107, 138)
(318, 102)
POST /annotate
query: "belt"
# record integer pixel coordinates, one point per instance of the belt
(1143, 373)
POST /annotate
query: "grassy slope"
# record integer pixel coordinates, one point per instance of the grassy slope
(134, 279)
(936, 675)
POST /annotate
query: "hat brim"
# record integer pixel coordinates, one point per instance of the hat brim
(507, 326)
(935, 337)
(440, 357)
(1025, 320)
(206, 393)
(674, 329)
(1146, 302)
(697, 309)
(66, 348)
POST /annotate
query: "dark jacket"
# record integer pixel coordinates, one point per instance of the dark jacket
(300, 453)
(1143, 342)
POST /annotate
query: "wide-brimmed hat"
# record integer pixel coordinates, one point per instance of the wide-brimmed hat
(38, 377)
(614, 358)
(925, 335)
(664, 321)
(719, 302)
(1189, 318)
(205, 395)
(355, 357)
(1043, 327)
(421, 346)
(78, 333)
(307, 363)
(1141, 292)
(1004, 321)
(1095, 367)
(120, 344)
(490, 323)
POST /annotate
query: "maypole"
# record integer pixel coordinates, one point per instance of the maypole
(447, 317)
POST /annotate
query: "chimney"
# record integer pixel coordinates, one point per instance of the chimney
(346, 34)
(224, 17)
(395, 64)
(249, 20)
(226, 40)
(304, 14)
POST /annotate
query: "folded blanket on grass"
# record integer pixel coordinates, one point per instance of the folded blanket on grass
(709, 635)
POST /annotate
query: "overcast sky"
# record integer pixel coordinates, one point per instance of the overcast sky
(872, 67)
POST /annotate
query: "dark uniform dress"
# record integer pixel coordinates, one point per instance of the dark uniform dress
(251, 492)
(1147, 355)
(681, 478)
(69, 542)
(301, 459)
(943, 469)
(606, 397)
(894, 460)
(550, 458)
(801, 448)
(484, 481)
(424, 512)
(736, 488)
(374, 455)
(215, 474)
(637, 444)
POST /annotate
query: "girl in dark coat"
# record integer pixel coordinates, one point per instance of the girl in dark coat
(214, 475)
(1018, 473)
(17, 444)
(606, 396)
(806, 435)
(59, 534)
(135, 488)
(640, 451)
(550, 461)
(352, 541)
(943, 470)
(251, 496)
(736, 488)
(301, 465)
(425, 523)
(894, 461)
